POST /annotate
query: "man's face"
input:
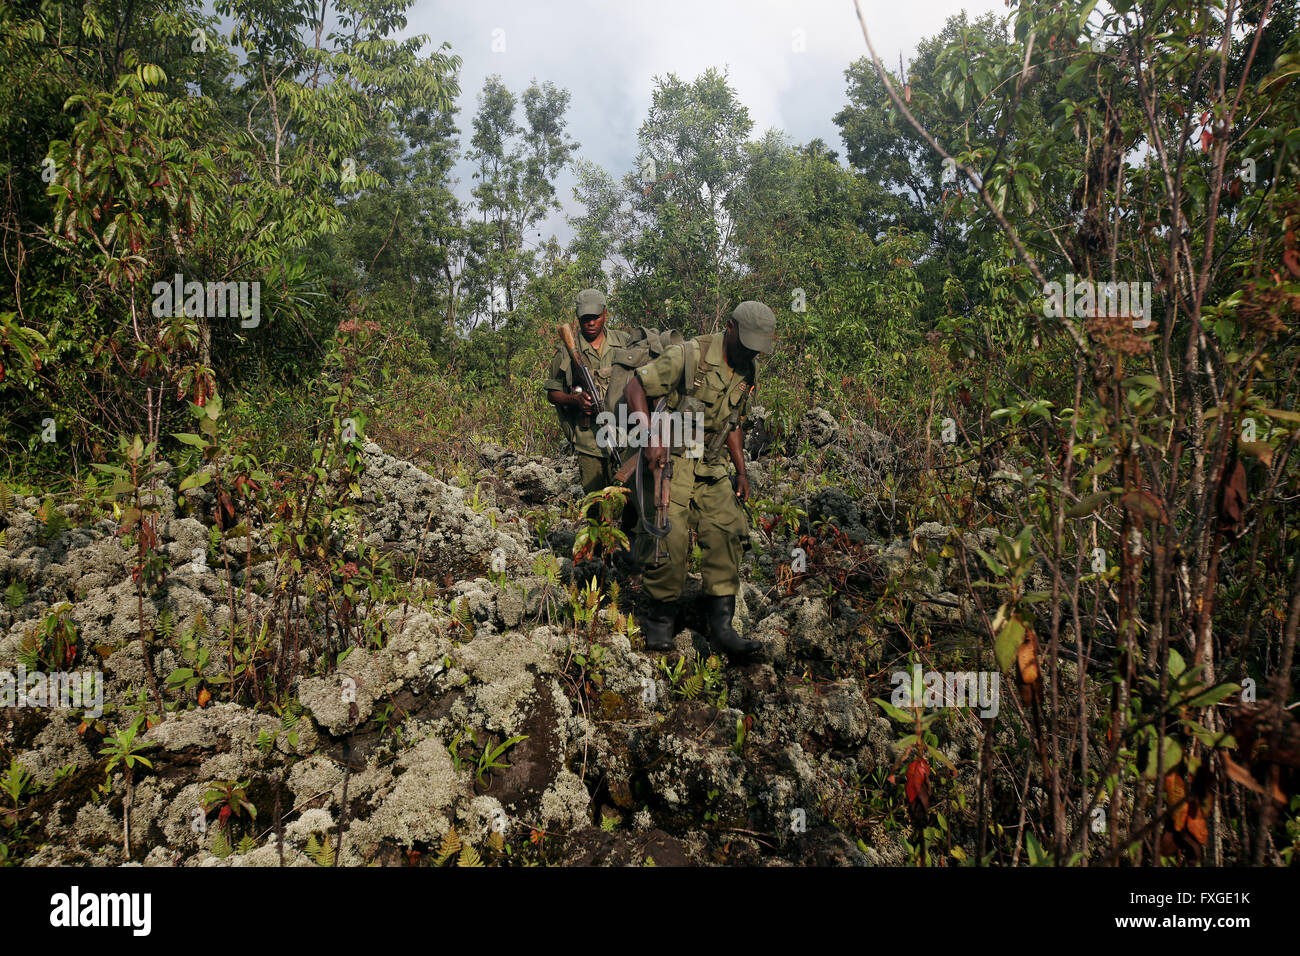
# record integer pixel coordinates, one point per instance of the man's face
(737, 354)
(592, 326)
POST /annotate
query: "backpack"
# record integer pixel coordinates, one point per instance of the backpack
(696, 367)
(643, 347)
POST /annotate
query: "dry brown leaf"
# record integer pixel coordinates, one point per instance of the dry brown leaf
(1234, 495)
(1261, 450)
(1028, 661)
(1175, 793)
(1244, 777)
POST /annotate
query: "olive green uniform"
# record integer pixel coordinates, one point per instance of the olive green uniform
(702, 497)
(595, 470)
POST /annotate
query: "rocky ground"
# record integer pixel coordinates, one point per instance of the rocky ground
(621, 760)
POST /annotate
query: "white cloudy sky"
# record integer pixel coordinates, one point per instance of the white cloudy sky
(607, 54)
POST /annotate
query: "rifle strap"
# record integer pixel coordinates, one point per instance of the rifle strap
(639, 459)
(646, 526)
(697, 366)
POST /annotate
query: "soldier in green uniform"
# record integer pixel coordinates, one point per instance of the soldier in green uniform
(576, 409)
(596, 345)
(712, 375)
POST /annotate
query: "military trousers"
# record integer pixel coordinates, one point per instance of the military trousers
(595, 472)
(704, 504)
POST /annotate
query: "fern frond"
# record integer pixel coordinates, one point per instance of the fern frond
(460, 613)
(322, 854)
(450, 847)
(246, 845)
(221, 847)
(56, 522)
(16, 594)
(469, 857)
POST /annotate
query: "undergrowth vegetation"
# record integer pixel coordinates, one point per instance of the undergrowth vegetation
(1094, 500)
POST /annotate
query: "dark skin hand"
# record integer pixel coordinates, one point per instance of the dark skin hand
(734, 447)
(637, 401)
(592, 328)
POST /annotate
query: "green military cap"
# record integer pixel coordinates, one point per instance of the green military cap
(756, 324)
(590, 302)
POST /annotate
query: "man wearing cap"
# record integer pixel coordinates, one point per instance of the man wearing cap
(713, 376)
(595, 345)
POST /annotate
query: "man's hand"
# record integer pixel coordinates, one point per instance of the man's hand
(737, 452)
(655, 455)
(742, 487)
(580, 400)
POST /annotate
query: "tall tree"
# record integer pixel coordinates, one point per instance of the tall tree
(851, 297)
(602, 229)
(693, 157)
(517, 167)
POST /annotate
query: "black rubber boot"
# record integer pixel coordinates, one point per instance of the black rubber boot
(656, 621)
(720, 610)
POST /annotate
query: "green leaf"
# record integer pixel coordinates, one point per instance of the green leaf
(1008, 642)
(993, 564)
(896, 713)
(1208, 737)
(1212, 696)
(1086, 506)
(1176, 664)
(1037, 855)
(196, 480)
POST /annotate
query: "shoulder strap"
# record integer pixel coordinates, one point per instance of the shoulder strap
(693, 373)
(699, 367)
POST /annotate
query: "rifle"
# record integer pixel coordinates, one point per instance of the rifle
(744, 508)
(586, 383)
(663, 478)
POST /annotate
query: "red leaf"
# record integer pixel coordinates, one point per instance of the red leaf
(917, 772)
(1292, 262)
(1234, 497)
